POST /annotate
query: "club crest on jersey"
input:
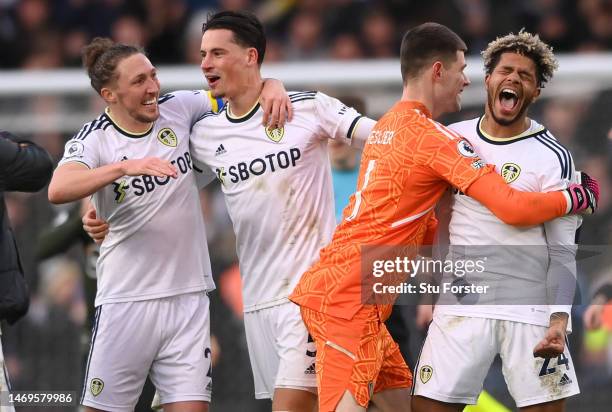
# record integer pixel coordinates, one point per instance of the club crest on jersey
(168, 137)
(510, 172)
(275, 134)
(466, 149)
(425, 373)
(96, 386)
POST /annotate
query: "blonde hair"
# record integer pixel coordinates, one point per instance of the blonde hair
(526, 44)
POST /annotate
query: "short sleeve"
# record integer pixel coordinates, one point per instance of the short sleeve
(195, 103)
(82, 148)
(557, 168)
(452, 157)
(203, 174)
(338, 121)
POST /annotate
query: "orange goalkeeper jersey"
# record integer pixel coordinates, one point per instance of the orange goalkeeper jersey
(408, 162)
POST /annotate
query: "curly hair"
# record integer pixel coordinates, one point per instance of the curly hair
(526, 44)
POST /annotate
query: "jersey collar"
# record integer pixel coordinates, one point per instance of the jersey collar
(124, 131)
(530, 132)
(244, 118)
(412, 105)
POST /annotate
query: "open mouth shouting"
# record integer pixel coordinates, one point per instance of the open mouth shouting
(508, 101)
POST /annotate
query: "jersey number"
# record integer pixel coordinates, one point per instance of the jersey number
(561, 360)
(366, 178)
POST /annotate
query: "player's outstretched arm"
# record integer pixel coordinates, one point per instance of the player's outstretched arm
(73, 181)
(275, 104)
(518, 208)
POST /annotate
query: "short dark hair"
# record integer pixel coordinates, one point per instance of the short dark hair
(248, 30)
(425, 44)
(101, 57)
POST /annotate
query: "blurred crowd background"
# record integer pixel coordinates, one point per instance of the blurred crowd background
(46, 34)
(46, 350)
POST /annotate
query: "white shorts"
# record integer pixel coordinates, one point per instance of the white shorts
(458, 353)
(167, 338)
(282, 352)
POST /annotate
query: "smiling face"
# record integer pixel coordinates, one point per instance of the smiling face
(224, 62)
(452, 82)
(133, 96)
(511, 87)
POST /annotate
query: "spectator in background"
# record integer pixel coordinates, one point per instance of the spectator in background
(23, 167)
(476, 23)
(346, 46)
(166, 22)
(598, 18)
(129, 29)
(32, 21)
(305, 37)
(379, 34)
(51, 33)
(73, 42)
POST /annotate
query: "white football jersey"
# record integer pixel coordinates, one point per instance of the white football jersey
(156, 246)
(533, 162)
(277, 186)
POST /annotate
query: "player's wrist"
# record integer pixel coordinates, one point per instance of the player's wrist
(122, 167)
(568, 201)
(559, 319)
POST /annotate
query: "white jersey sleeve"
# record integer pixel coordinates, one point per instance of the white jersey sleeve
(193, 104)
(203, 174)
(555, 175)
(82, 150)
(340, 122)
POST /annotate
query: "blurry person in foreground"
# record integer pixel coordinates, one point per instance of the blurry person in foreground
(24, 167)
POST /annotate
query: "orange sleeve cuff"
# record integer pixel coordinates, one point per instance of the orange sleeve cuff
(514, 207)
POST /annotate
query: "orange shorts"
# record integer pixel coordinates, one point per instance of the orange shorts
(358, 355)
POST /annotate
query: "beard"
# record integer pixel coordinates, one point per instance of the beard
(507, 122)
(145, 117)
